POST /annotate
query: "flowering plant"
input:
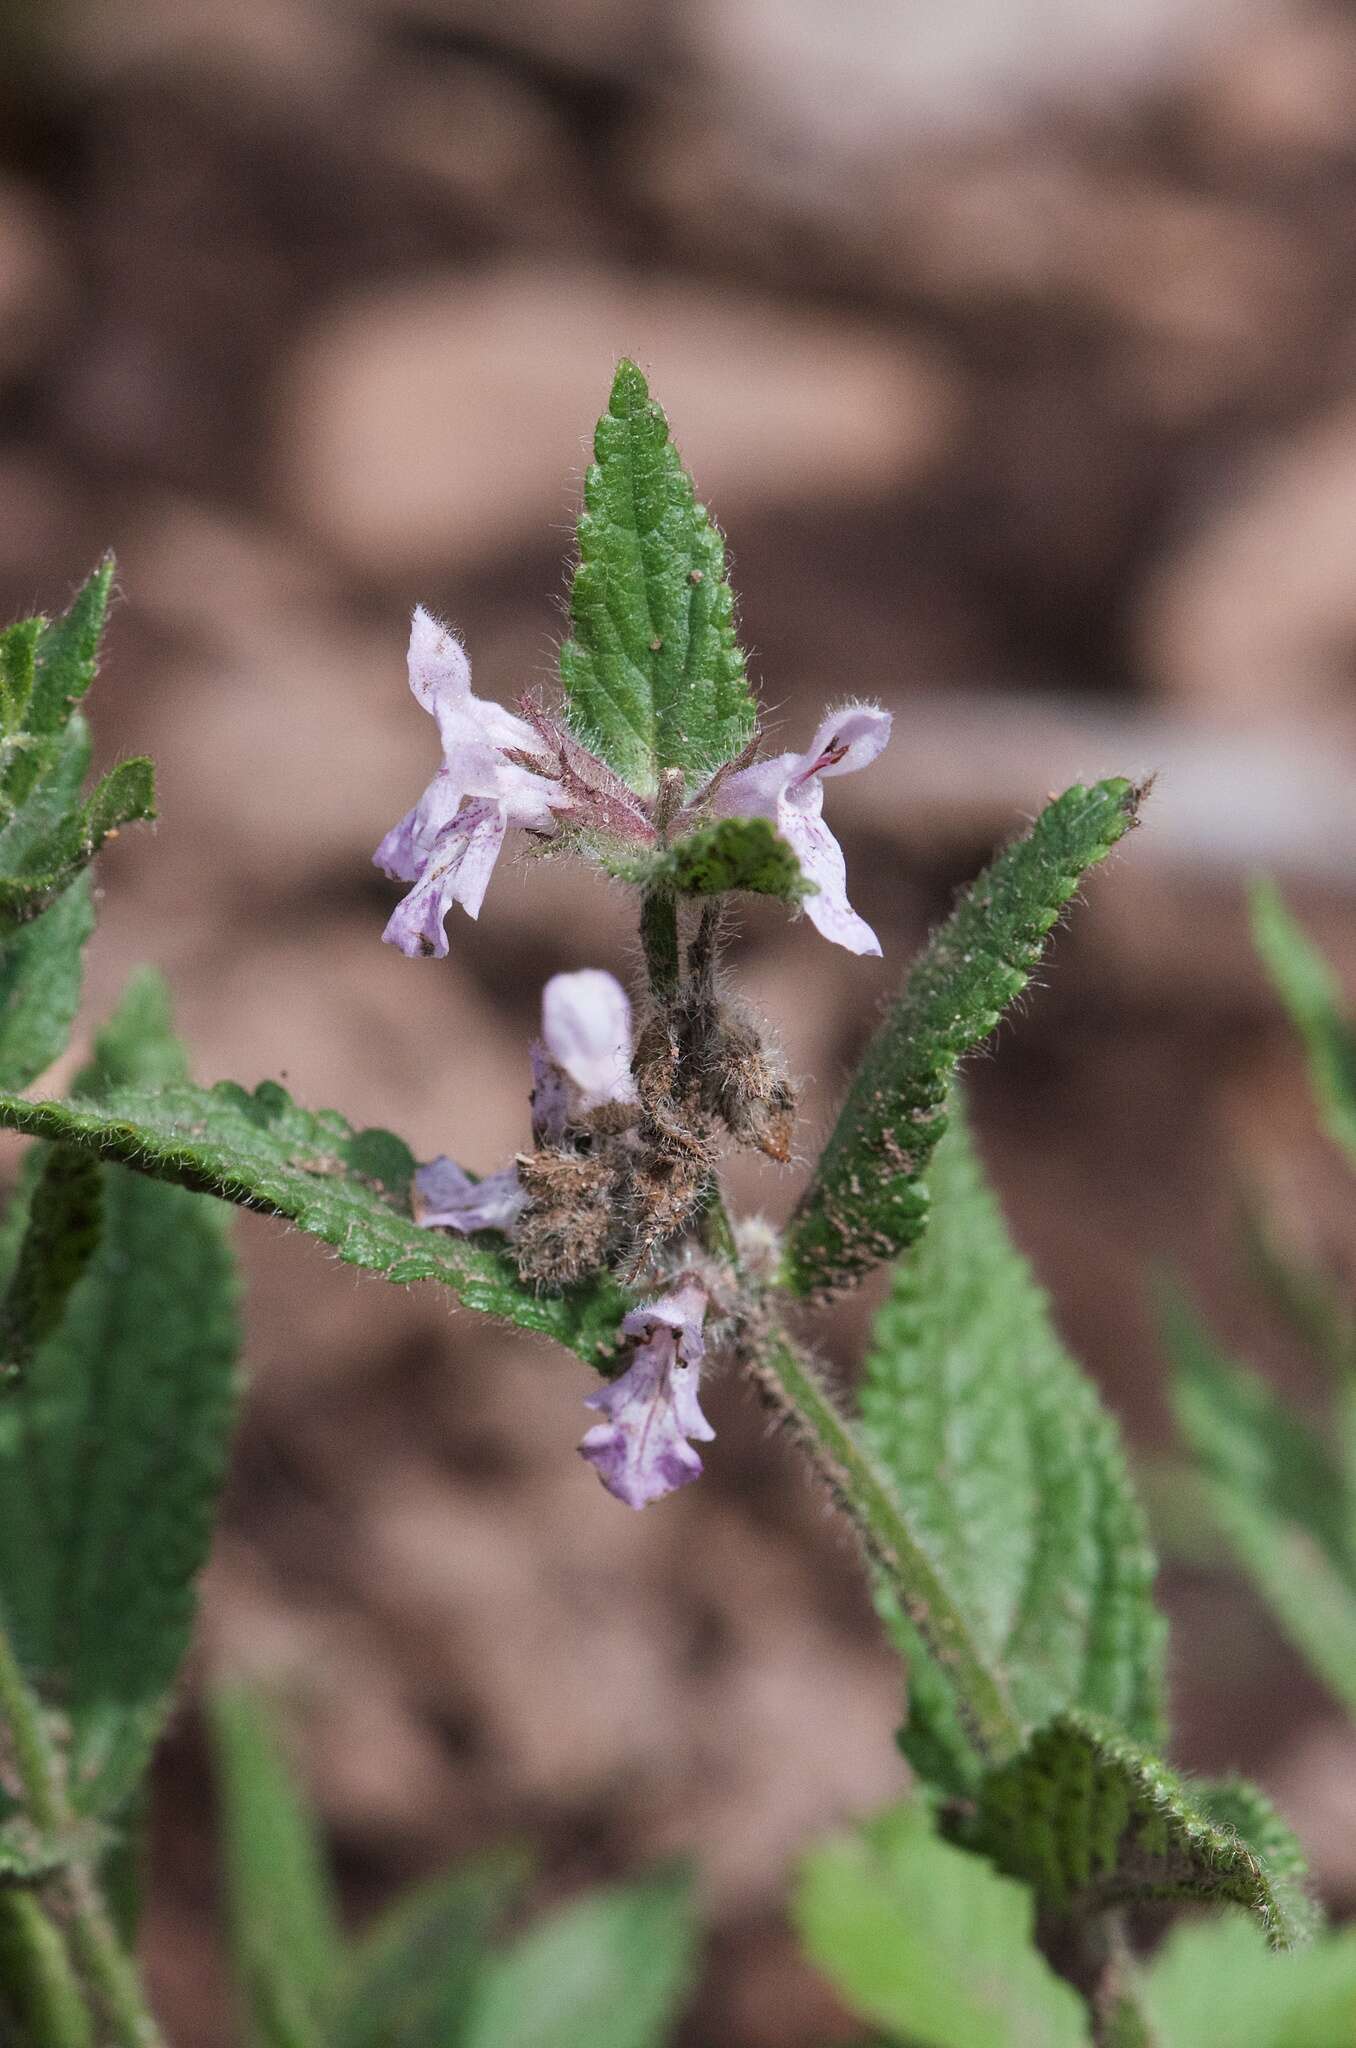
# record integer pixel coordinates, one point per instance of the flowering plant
(983, 1480)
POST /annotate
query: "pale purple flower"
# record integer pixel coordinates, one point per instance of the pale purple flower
(582, 1063)
(448, 844)
(641, 1452)
(446, 1198)
(583, 1060)
(790, 791)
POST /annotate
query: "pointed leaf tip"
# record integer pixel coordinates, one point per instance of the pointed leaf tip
(630, 392)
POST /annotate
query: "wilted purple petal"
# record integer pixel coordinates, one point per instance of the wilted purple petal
(446, 1198)
(641, 1452)
(789, 790)
(586, 1029)
(550, 1097)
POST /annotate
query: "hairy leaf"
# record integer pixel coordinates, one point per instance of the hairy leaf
(409, 1984)
(616, 1967)
(733, 853)
(111, 1455)
(1013, 1478)
(1274, 1492)
(1091, 1821)
(867, 1199)
(41, 967)
(1309, 989)
(928, 1942)
(654, 677)
(48, 835)
(18, 667)
(126, 795)
(1216, 1981)
(348, 1188)
(67, 652)
(64, 1214)
(285, 1939)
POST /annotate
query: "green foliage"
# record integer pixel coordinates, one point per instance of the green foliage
(48, 836)
(1216, 1982)
(348, 1188)
(1275, 1493)
(126, 795)
(928, 1942)
(111, 1454)
(27, 1855)
(653, 675)
(733, 853)
(42, 2003)
(614, 1967)
(409, 1981)
(65, 1212)
(285, 1938)
(40, 974)
(867, 1199)
(1090, 1821)
(1013, 1480)
(1308, 988)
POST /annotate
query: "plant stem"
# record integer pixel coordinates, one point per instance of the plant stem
(659, 937)
(105, 1964)
(793, 1384)
(42, 1992)
(35, 1761)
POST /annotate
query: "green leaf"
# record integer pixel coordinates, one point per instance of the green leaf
(734, 853)
(654, 677)
(1309, 989)
(929, 1942)
(348, 1188)
(409, 1984)
(126, 795)
(285, 1937)
(68, 652)
(868, 1198)
(18, 666)
(65, 1210)
(111, 1456)
(616, 1966)
(1275, 1494)
(1012, 1475)
(1091, 1822)
(1216, 1982)
(41, 967)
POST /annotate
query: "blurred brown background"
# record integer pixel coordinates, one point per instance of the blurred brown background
(1015, 347)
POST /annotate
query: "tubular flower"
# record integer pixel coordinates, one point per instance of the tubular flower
(641, 1452)
(582, 1062)
(448, 844)
(580, 1066)
(790, 791)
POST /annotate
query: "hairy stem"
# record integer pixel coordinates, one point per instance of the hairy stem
(792, 1383)
(105, 1965)
(659, 937)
